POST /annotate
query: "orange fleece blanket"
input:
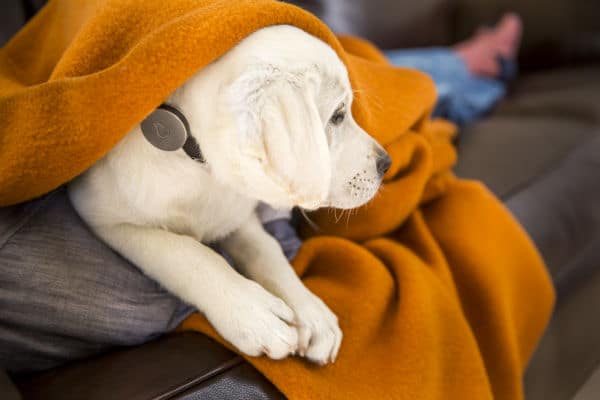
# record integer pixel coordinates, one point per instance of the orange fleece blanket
(439, 292)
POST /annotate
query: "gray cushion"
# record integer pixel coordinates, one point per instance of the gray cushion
(65, 295)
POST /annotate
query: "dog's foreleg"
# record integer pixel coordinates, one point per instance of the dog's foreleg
(244, 313)
(259, 256)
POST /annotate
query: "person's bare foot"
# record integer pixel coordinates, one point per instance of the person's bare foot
(508, 34)
(480, 52)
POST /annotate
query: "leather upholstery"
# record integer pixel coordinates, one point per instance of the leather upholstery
(8, 391)
(240, 382)
(12, 16)
(390, 24)
(568, 354)
(539, 152)
(559, 32)
(175, 366)
(558, 107)
(549, 114)
(562, 32)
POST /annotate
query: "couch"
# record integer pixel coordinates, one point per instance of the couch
(536, 151)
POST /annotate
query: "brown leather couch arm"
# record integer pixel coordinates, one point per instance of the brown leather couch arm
(180, 366)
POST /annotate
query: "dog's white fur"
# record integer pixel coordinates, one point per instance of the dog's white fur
(262, 115)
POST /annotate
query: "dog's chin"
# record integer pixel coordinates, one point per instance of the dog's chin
(351, 202)
(312, 205)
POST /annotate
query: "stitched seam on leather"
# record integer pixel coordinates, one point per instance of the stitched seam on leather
(224, 367)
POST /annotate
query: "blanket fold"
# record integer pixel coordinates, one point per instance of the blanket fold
(439, 292)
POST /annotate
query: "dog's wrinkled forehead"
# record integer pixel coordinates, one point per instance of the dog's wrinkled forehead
(289, 43)
(248, 92)
(266, 53)
(259, 77)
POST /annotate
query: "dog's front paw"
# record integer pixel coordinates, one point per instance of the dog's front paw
(319, 335)
(256, 322)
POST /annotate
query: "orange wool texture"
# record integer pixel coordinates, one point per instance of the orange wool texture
(439, 292)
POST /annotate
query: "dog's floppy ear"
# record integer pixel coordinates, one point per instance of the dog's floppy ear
(278, 118)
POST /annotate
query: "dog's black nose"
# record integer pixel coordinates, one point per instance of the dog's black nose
(383, 162)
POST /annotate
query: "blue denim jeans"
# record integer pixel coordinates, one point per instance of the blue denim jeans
(462, 97)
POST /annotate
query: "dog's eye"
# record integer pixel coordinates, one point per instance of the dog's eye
(338, 116)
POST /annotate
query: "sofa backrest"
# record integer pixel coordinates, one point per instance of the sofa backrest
(556, 32)
(389, 23)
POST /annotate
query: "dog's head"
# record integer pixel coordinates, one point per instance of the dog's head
(272, 117)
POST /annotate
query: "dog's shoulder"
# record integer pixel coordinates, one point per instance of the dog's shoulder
(134, 184)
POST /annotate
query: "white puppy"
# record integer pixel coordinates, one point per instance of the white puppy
(272, 118)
